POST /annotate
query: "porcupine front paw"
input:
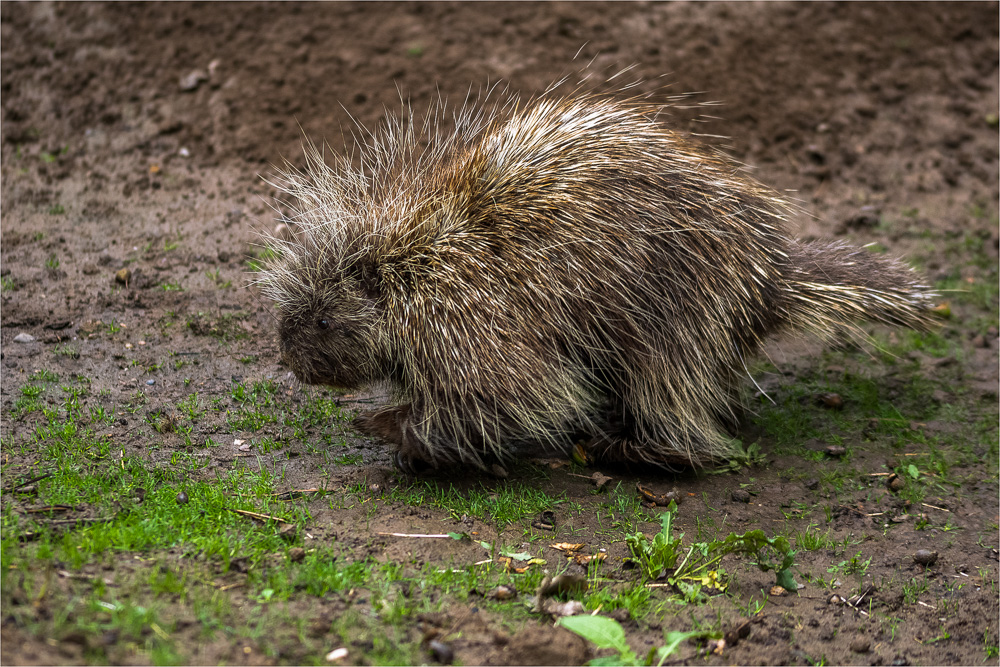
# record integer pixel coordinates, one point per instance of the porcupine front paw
(391, 424)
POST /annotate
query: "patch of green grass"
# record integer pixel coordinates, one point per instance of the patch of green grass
(981, 293)
(502, 505)
(856, 564)
(813, 540)
(635, 597)
(991, 647)
(191, 407)
(67, 351)
(141, 510)
(7, 284)
(623, 510)
(913, 589)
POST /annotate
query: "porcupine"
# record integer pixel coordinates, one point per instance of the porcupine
(550, 268)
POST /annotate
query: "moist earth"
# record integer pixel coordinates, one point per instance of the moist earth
(137, 140)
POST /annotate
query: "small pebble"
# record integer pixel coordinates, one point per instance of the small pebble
(123, 276)
(740, 496)
(832, 401)
(925, 557)
(296, 554)
(24, 338)
(182, 498)
(193, 80)
(441, 652)
(336, 654)
(836, 450)
(861, 645)
(150, 382)
(895, 483)
(502, 593)
(812, 484)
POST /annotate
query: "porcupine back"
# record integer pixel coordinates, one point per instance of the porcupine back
(549, 264)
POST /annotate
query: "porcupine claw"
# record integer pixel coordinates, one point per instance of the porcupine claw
(409, 465)
(390, 424)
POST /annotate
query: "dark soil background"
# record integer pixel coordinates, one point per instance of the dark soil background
(138, 134)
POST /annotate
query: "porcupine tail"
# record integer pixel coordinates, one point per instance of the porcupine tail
(833, 286)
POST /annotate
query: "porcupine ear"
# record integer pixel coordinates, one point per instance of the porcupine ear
(364, 271)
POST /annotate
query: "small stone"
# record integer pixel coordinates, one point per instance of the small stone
(296, 554)
(182, 498)
(832, 401)
(861, 645)
(740, 496)
(123, 276)
(441, 652)
(777, 592)
(502, 593)
(836, 451)
(925, 557)
(193, 80)
(24, 338)
(336, 654)
(812, 484)
(150, 382)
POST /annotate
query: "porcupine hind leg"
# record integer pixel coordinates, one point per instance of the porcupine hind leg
(628, 439)
(661, 436)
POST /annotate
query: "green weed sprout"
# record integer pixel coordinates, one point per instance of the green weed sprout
(664, 557)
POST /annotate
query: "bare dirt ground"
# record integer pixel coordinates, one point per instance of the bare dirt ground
(135, 136)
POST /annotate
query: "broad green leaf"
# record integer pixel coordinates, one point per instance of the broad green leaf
(601, 631)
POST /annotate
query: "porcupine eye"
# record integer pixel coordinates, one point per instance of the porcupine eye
(323, 324)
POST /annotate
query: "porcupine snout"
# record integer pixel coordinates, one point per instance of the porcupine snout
(328, 338)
